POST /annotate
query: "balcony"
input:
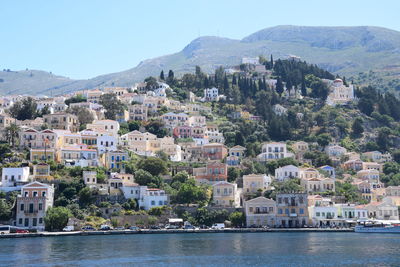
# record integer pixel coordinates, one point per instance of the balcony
(27, 212)
(262, 212)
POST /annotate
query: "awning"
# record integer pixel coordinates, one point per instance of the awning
(175, 220)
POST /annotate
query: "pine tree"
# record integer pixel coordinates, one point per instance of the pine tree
(170, 75)
(357, 127)
(162, 75)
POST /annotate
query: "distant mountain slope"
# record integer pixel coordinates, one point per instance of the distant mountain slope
(344, 50)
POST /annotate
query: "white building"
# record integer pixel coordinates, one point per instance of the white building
(323, 215)
(150, 198)
(106, 143)
(286, 172)
(251, 60)
(132, 190)
(335, 151)
(109, 126)
(90, 178)
(273, 151)
(279, 110)
(12, 177)
(339, 93)
(211, 94)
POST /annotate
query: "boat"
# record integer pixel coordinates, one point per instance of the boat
(377, 227)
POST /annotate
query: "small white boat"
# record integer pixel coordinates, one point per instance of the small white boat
(377, 227)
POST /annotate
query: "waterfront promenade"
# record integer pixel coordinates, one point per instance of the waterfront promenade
(177, 231)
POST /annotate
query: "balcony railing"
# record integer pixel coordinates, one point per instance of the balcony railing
(30, 211)
(262, 212)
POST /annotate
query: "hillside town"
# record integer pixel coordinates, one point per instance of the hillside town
(246, 146)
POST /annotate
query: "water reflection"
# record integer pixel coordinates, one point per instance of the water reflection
(250, 249)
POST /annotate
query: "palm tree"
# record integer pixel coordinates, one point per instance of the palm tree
(12, 133)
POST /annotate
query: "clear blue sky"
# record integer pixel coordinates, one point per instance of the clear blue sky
(85, 38)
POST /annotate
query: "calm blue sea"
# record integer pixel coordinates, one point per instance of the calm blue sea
(222, 249)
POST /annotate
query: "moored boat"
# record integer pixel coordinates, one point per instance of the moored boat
(377, 227)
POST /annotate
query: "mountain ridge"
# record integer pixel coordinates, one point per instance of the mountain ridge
(346, 50)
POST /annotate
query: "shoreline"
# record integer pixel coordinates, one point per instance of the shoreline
(177, 231)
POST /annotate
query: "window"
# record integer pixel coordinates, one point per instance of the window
(40, 206)
(317, 213)
(40, 220)
(26, 222)
(30, 207)
(271, 209)
(35, 193)
(301, 211)
(22, 207)
(34, 222)
(153, 202)
(20, 221)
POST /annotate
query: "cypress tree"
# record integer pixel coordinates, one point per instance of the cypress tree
(206, 82)
(303, 87)
(226, 83)
(272, 61)
(170, 75)
(162, 75)
(234, 81)
(279, 86)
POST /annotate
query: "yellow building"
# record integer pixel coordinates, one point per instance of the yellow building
(42, 154)
(63, 121)
(260, 211)
(41, 171)
(225, 195)
(252, 183)
(115, 159)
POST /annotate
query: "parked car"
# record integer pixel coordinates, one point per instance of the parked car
(120, 228)
(189, 226)
(22, 231)
(171, 226)
(68, 228)
(155, 227)
(134, 228)
(88, 228)
(218, 226)
(105, 227)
